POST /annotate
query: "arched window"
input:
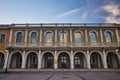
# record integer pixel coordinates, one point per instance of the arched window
(63, 36)
(93, 37)
(34, 37)
(19, 37)
(48, 37)
(108, 36)
(78, 37)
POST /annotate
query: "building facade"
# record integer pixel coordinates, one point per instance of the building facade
(62, 46)
(4, 38)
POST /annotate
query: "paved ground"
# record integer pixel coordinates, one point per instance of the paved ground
(60, 76)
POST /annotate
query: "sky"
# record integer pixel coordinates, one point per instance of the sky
(59, 11)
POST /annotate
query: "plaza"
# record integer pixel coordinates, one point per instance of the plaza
(61, 75)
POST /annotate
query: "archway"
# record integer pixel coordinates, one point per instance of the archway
(112, 60)
(32, 60)
(63, 61)
(95, 60)
(16, 60)
(48, 60)
(79, 60)
(1, 60)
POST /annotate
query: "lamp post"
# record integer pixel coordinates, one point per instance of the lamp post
(7, 50)
(7, 60)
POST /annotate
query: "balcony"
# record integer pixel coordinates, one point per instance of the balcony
(65, 44)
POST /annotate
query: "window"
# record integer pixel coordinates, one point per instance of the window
(2, 38)
(78, 37)
(19, 37)
(48, 37)
(108, 36)
(93, 37)
(63, 36)
(34, 37)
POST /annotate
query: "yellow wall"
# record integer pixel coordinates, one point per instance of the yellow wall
(2, 45)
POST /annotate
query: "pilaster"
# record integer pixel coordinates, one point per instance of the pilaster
(71, 60)
(55, 60)
(104, 60)
(88, 59)
(39, 59)
(23, 60)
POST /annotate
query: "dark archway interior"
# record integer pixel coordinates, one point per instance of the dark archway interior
(32, 60)
(1, 60)
(63, 61)
(16, 60)
(48, 60)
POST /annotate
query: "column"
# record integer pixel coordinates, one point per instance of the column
(117, 35)
(71, 35)
(88, 60)
(55, 35)
(55, 60)
(39, 59)
(71, 60)
(101, 35)
(40, 35)
(6, 59)
(104, 60)
(86, 37)
(10, 38)
(26, 36)
(23, 59)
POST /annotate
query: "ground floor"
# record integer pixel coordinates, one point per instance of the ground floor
(61, 76)
(57, 59)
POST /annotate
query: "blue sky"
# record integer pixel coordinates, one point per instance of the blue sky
(59, 11)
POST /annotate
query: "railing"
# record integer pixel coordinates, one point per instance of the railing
(65, 44)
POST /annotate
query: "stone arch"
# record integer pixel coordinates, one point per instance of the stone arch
(96, 59)
(15, 59)
(113, 59)
(64, 59)
(80, 59)
(32, 59)
(16, 35)
(30, 35)
(47, 59)
(110, 38)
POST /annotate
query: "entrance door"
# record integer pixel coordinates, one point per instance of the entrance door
(79, 60)
(64, 61)
(49, 60)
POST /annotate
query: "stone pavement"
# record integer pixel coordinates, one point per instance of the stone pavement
(73, 75)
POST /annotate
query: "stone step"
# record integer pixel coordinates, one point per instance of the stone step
(60, 70)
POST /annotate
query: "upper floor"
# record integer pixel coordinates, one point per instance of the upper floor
(4, 38)
(63, 35)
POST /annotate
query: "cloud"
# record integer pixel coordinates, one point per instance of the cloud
(84, 15)
(68, 13)
(113, 11)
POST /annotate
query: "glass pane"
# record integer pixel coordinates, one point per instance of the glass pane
(108, 37)
(93, 37)
(34, 37)
(63, 37)
(48, 37)
(19, 37)
(2, 38)
(78, 37)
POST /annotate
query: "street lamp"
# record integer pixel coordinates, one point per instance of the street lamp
(7, 50)
(117, 49)
(7, 60)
